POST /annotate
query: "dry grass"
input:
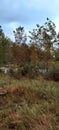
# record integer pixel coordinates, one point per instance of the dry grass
(29, 104)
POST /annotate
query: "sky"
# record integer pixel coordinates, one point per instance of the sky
(27, 13)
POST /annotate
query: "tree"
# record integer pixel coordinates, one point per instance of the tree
(5, 47)
(20, 35)
(20, 54)
(33, 54)
(45, 36)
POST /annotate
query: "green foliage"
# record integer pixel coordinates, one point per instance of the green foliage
(5, 48)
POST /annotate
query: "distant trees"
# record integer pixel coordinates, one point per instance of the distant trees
(41, 53)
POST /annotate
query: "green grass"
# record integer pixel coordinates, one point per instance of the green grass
(29, 104)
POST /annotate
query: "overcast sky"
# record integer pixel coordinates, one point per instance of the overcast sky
(27, 13)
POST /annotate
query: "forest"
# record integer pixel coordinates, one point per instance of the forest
(33, 55)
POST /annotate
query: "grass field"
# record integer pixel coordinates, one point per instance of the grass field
(28, 104)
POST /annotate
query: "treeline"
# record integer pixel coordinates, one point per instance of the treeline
(39, 56)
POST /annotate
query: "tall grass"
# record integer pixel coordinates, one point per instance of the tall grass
(29, 104)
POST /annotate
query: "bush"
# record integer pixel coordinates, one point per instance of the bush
(26, 70)
(52, 75)
(32, 71)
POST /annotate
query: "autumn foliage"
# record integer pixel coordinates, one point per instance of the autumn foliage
(38, 56)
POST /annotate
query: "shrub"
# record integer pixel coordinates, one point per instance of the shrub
(52, 75)
(26, 70)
